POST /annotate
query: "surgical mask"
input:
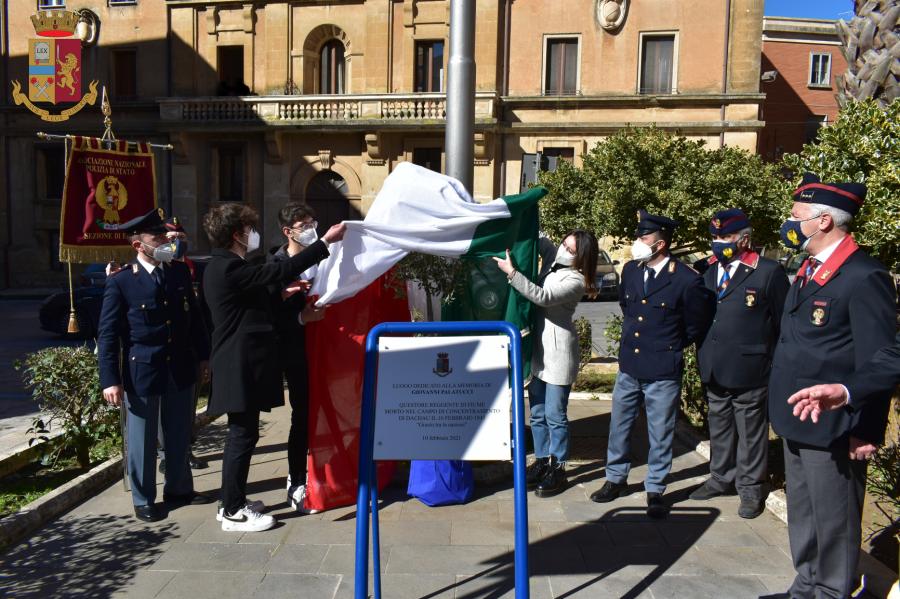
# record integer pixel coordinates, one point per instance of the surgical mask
(164, 252)
(563, 256)
(792, 235)
(725, 251)
(252, 241)
(306, 238)
(642, 251)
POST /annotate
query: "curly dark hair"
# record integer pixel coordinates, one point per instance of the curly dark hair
(295, 212)
(224, 220)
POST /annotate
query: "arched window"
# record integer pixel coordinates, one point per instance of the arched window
(327, 194)
(331, 68)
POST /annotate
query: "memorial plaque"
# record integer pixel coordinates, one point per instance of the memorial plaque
(443, 398)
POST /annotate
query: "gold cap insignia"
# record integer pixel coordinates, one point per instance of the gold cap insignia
(161, 212)
(638, 213)
(717, 223)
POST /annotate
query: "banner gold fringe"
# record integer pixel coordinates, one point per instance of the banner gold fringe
(85, 255)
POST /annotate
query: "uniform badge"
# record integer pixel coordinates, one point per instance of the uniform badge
(134, 268)
(717, 223)
(750, 297)
(819, 315)
(671, 266)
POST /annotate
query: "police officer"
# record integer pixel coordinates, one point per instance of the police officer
(839, 312)
(150, 318)
(735, 360)
(666, 307)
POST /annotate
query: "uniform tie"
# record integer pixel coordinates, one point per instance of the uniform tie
(159, 276)
(811, 265)
(723, 283)
(648, 279)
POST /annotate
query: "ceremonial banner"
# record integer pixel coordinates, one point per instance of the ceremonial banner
(104, 188)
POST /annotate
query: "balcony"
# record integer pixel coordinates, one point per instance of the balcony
(321, 111)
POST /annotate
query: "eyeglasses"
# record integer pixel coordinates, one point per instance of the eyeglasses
(306, 226)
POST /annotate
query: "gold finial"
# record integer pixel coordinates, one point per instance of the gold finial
(108, 135)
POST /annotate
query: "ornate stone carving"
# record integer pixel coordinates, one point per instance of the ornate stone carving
(482, 149)
(326, 159)
(374, 149)
(611, 13)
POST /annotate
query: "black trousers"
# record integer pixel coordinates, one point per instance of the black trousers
(739, 440)
(296, 374)
(825, 492)
(243, 433)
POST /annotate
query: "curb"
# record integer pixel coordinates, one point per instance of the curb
(36, 514)
(22, 455)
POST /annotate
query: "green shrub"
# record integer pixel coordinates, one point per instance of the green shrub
(65, 382)
(583, 327)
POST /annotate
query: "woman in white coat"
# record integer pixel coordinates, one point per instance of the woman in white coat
(565, 277)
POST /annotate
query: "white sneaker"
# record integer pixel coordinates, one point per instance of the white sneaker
(297, 499)
(288, 482)
(257, 506)
(246, 520)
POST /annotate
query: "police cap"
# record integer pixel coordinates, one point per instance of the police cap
(152, 222)
(650, 223)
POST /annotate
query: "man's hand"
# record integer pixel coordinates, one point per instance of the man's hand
(812, 401)
(860, 449)
(294, 288)
(113, 395)
(505, 265)
(203, 367)
(311, 313)
(335, 233)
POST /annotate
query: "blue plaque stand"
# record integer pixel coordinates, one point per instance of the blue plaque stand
(367, 497)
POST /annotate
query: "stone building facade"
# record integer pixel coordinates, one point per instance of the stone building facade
(317, 100)
(801, 60)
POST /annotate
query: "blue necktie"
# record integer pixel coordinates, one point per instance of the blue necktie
(650, 274)
(723, 283)
(811, 265)
(159, 276)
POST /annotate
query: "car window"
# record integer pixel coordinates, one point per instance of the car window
(603, 259)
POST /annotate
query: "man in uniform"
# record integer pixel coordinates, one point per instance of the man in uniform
(839, 312)
(150, 319)
(666, 308)
(735, 360)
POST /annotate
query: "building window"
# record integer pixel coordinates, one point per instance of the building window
(124, 74)
(230, 69)
(230, 175)
(50, 172)
(429, 66)
(561, 67)
(331, 68)
(567, 154)
(429, 158)
(657, 64)
(44, 4)
(820, 69)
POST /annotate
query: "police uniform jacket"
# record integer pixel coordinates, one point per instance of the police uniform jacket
(831, 327)
(157, 332)
(675, 312)
(737, 350)
(245, 369)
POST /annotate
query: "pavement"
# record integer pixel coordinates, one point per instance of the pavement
(577, 548)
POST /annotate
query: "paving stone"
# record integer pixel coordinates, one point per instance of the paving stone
(210, 531)
(341, 559)
(417, 533)
(702, 587)
(545, 510)
(583, 534)
(297, 586)
(405, 586)
(297, 559)
(321, 532)
(475, 587)
(455, 559)
(479, 511)
(488, 533)
(635, 533)
(205, 557)
(776, 584)
(597, 586)
(720, 534)
(221, 585)
(145, 584)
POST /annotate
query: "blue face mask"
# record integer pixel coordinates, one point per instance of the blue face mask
(792, 234)
(725, 251)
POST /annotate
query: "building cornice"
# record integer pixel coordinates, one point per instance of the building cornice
(631, 100)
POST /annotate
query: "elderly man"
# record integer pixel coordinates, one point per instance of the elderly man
(735, 361)
(839, 312)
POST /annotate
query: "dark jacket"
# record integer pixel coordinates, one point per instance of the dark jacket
(737, 350)
(159, 331)
(676, 311)
(246, 373)
(828, 331)
(288, 330)
(880, 374)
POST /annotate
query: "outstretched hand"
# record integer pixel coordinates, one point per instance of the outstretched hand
(335, 233)
(506, 264)
(812, 401)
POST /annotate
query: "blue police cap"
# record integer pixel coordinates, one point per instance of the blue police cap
(152, 222)
(728, 221)
(650, 223)
(848, 197)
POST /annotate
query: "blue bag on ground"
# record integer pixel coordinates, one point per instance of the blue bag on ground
(441, 482)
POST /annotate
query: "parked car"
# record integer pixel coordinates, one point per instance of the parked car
(607, 278)
(792, 264)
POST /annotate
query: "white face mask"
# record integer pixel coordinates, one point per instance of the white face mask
(252, 241)
(641, 251)
(306, 238)
(563, 256)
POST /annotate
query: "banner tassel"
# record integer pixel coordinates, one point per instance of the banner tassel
(73, 322)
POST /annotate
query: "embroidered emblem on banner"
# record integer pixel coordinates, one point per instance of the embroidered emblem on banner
(442, 367)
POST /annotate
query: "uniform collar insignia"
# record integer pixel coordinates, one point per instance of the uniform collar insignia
(843, 251)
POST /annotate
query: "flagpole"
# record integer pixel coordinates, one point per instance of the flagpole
(460, 132)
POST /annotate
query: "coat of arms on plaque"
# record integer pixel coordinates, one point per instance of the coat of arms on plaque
(442, 367)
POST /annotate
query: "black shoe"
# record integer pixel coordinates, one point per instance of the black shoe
(535, 473)
(196, 463)
(776, 596)
(554, 481)
(148, 513)
(189, 499)
(162, 466)
(708, 491)
(609, 491)
(751, 508)
(656, 507)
